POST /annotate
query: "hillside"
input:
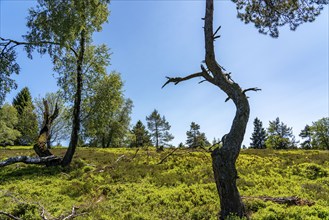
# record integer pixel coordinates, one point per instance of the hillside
(117, 184)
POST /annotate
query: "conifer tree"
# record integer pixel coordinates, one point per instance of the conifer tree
(258, 137)
(27, 120)
(141, 135)
(195, 138)
(159, 129)
(306, 133)
(280, 136)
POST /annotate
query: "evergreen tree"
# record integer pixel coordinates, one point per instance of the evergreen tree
(258, 137)
(27, 120)
(195, 138)
(22, 100)
(8, 121)
(159, 128)
(320, 134)
(280, 136)
(141, 135)
(306, 133)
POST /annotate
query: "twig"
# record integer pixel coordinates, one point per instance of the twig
(9, 215)
(168, 155)
(135, 154)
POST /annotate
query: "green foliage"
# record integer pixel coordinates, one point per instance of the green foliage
(141, 135)
(316, 135)
(182, 187)
(195, 138)
(8, 121)
(280, 136)
(159, 129)
(268, 15)
(258, 137)
(8, 66)
(107, 111)
(27, 120)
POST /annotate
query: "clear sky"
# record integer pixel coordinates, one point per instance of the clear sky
(153, 39)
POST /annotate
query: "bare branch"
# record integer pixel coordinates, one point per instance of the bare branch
(7, 42)
(168, 155)
(251, 89)
(215, 37)
(177, 80)
(9, 215)
(216, 31)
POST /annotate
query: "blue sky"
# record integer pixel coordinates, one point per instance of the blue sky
(153, 39)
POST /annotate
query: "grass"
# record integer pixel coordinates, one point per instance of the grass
(106, 185)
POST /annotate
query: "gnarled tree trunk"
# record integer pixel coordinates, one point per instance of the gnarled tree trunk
(41, 147)
(224, 158)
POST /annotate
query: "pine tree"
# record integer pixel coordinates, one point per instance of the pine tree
(22, 100)
(195, 138)
(280, 136)
(258, 137)
(141, 135)
(159, 129)
(320, 134)
(27, 120)
(306, 133)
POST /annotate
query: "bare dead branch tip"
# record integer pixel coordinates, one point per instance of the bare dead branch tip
(251, 89)
(177, 80)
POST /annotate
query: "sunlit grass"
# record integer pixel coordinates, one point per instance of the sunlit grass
(110, 184)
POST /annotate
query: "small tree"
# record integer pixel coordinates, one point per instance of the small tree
(159, 129)
(280, 136)
(195, 138)
(141, 135)
(258, 137)
(8, 121)
(27, 120)
(107, 113)
(320, 134)
(306, 133)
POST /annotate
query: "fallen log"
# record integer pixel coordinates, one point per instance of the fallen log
(290, 201)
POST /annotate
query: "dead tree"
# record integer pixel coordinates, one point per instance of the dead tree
(224, 158)
(41, 148)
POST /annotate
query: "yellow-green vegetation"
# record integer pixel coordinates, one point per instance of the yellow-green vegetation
(113, 184)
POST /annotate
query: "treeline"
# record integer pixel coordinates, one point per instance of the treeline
(106, 122)
(279, 136)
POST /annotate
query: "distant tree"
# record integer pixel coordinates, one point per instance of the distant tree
(141, 135)
(8, 122)
(159, 129)
(306, 133)
(195, 138)
(22, 100)
(107, 113)
(320, 134)
(27, 120)
(258, 137)
(280, 136)
(60, 129)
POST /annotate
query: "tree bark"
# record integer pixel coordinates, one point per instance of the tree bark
(77, 105)
(41, 148)
(224, 158)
